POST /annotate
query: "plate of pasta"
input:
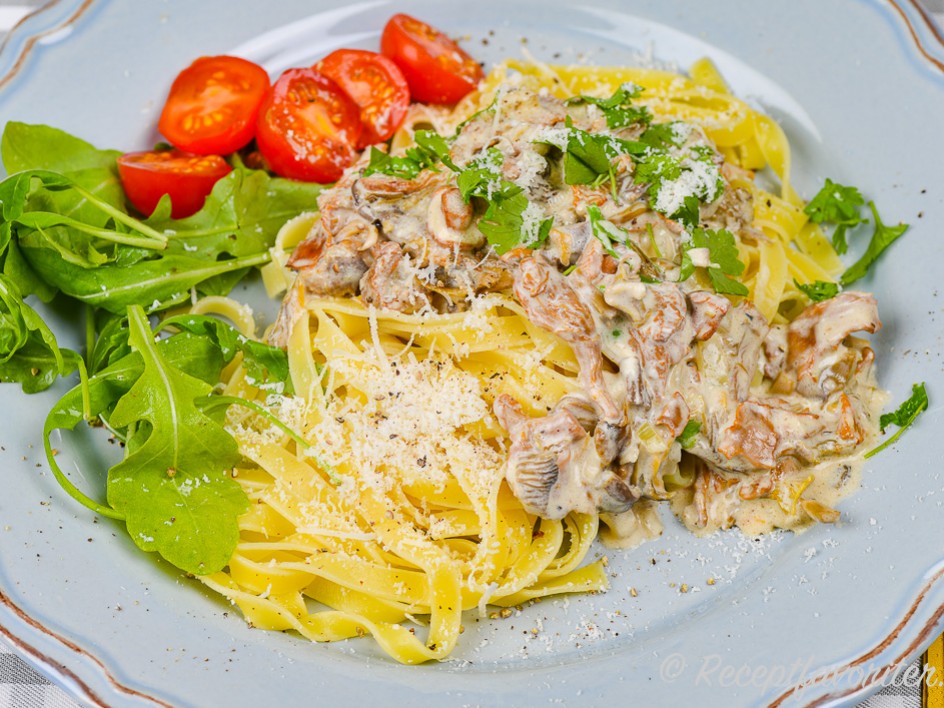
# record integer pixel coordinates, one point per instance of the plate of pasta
(541, 354)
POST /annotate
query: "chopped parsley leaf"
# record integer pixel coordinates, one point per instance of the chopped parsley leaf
(482, 176)
(504, 222)
(723, 256)
(588, 157)
(618, 108)
(679, 184)
(384, 163)
(604, 231)
(836, 204)
(430, 150)
(818, 290)
(660, 136)
(689, 214)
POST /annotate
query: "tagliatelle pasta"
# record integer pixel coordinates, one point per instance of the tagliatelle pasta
(381, 546)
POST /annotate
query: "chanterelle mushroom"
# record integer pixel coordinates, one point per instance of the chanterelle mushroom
(553, 465)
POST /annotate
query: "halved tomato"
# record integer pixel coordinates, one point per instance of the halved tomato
(376, 85)
(436, 68)
(213, 104)
(187, 178)
(308, 128)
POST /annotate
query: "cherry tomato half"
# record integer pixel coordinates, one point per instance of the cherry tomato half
(187, 178)
(376, 85)
(213, 104)
(308, 127)
(436, 68)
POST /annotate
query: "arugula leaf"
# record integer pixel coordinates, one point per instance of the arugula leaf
(25, 147)
(904, 416)
(29, 353)
(838, 204)
(266, 366)
(687, 437)
(723, 257)
(96, 396)
(172, 487)
(70, 230)
(618, 109)
(818, 290)
(882, 237)
(111, 342)
(240, 218)
(153, 283)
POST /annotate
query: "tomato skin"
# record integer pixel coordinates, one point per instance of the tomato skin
(213, 104)
(187, 178)
(308, 127)
(376, 84)
(436, 69)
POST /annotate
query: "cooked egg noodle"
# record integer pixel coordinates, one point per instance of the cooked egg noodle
(332, 549)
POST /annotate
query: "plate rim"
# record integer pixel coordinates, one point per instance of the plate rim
(65, 662)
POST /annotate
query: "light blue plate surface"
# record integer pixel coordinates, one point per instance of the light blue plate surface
(859, 87)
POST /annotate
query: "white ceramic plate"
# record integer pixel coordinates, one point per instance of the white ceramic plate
(859, 87)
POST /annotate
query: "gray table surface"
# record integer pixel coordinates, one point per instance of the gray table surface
(21, 686)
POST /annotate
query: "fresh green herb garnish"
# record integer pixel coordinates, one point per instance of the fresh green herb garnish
(678, 184)
(604, 231)
(723, 257)
(386, 164)
(689, 214)
(430, 146)
(482, 176)
(430, 150)
(882, 237)
(837, 204)
(660, 136)
(609, 234)
(588, 157)
(618, 108)
(903, 417)
(687, 437)
(505, 223)
(818, 290)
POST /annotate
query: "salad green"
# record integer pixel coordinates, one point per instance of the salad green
(65, 231)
